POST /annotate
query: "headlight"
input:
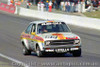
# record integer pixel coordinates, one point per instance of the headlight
(77, 41)
(47, 43)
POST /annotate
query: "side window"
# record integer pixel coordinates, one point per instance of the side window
(34, 28)
(28, 30)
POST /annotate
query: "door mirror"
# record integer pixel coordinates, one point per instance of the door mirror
(33, 33)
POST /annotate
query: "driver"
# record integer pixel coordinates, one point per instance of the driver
(44, 30)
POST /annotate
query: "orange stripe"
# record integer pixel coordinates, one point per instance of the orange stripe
(50, 21)
(60, 36)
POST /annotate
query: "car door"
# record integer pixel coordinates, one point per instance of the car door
(32, 41)
(28, 34)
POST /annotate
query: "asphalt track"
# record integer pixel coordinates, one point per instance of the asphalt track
(11, 27)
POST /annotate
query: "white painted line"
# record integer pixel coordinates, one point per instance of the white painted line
(14, 60)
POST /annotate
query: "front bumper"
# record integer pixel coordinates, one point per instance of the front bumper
(62, 48)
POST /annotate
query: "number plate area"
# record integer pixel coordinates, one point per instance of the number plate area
(61, 50)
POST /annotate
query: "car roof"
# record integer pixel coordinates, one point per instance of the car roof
(43, 21)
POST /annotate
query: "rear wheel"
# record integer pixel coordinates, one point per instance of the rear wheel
(38, 51)
(77, 53)
(26, 51)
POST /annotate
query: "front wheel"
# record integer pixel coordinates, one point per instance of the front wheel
(26, 51)
(77, 53)
(38, 52)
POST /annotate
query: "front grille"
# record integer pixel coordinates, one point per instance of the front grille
(61, 42)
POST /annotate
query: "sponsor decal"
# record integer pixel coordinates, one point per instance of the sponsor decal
(7, 8)
(71, 37)
(26, 36)
(30, 37)
(18, 3)
(38, 38)
(54, 37)
(60, 36)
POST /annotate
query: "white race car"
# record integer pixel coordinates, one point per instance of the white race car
(44, 37)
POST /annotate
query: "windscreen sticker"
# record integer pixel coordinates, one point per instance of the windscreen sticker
(51, 23)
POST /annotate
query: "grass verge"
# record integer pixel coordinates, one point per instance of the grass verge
(95, 14)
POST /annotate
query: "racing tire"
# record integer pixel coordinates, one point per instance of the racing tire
(39, 52)
(77, 53)
(26, 51)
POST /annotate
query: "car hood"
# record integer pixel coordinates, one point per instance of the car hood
(58, 36)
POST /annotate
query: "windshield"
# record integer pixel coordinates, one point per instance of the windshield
(52, 27)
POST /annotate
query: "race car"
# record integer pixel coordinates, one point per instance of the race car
(44, 37)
